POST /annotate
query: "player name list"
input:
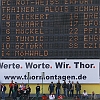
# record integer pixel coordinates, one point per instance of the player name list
(42, 28)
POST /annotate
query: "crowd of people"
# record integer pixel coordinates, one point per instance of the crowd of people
(68, 91)
(68, 88)
(17, 92)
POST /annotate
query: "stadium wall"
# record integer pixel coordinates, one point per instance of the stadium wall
(88, 87)
(86, 72)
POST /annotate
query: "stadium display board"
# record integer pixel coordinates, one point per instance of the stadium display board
(49, 29)
(84, 71)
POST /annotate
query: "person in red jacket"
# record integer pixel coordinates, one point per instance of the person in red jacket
(44, 97)
(10, 87)
(60, 97)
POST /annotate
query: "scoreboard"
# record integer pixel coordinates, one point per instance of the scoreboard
(50, 29)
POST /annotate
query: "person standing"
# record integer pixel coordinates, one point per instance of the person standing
(64, 86)
(72, 89)
(69, 86)
(14, 95)
(19, 94)
(77, 88)
(16, 88)
(28, 91)
(51, 87)
(10, 87)
(58, 86)
(3, 89)
(37, 91)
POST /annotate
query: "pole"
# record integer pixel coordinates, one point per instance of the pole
(43, 76)
(28, 77)
(42, 85)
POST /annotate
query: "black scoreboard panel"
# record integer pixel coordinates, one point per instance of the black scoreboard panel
(50, 29)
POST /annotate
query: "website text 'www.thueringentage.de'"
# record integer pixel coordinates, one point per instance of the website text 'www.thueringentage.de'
(47, 77)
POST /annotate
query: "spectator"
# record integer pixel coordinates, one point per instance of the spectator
(64, 86)
(3, 89)
(25, 91)
(14, 92)
(69, 86)
(28, 91)
(76, 98)
(15, 88)
(84, 95)
(22, 86)
(44, 97)
(60, 97)
(93, 96)
(51, 96)
(18, 94)
(51, 87)
(77, 88)
(37, 91)
(10, 86)
(58, 86)
(72, 89)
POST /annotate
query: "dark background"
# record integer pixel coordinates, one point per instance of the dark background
(56, 36)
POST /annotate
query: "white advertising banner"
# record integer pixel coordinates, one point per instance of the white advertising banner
(84, 71)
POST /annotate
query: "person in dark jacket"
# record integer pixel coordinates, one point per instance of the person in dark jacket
(77, 88)
(28, 91)
(51, 87)
(19, 94)
(15, 88)
(58, 87)
(72, 89)
(64, 86)
(69, 87)
(3, 89)
(37, 91)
